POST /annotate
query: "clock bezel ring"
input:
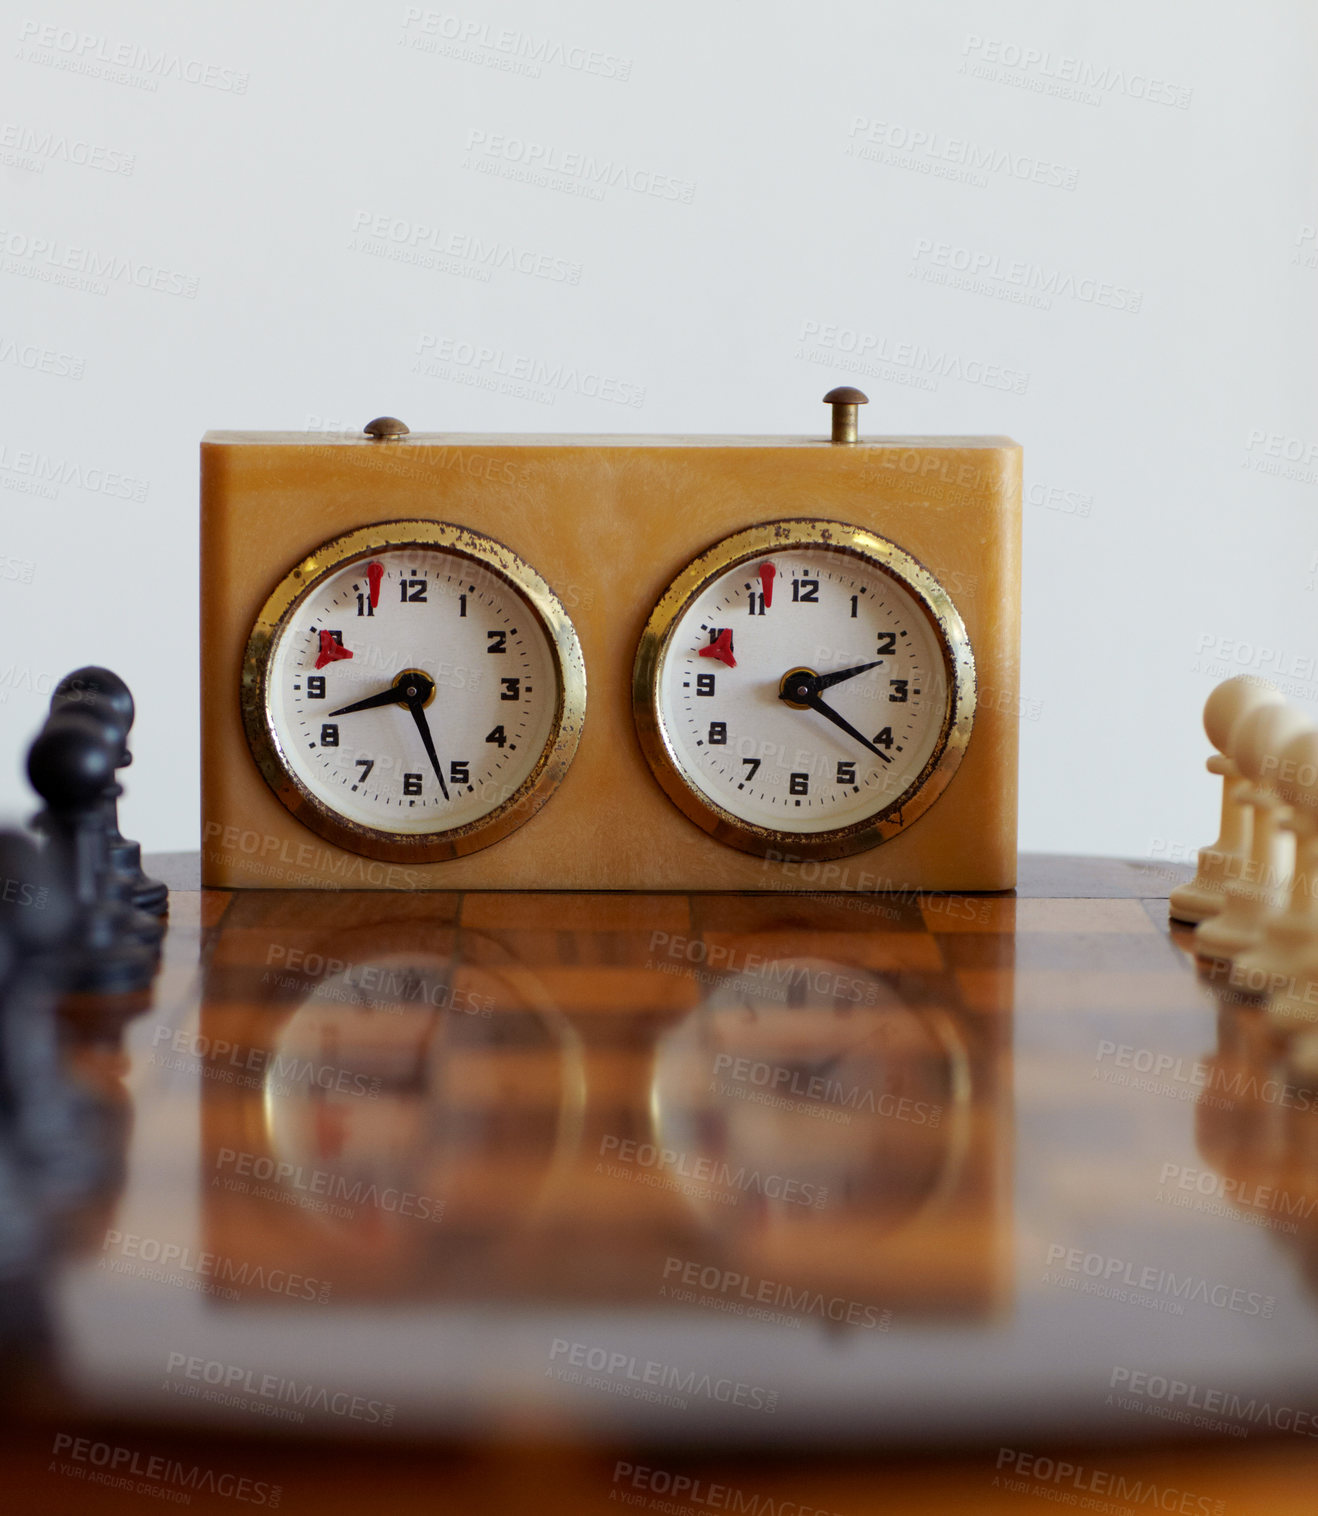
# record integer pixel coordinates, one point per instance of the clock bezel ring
(787, 535)
(492, 557)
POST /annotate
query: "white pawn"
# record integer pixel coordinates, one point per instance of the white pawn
(1263, 885)
(1203, 896)
(1290, 936)
(1288, 955)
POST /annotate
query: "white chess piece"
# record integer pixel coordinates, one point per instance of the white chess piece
(1261, 889)
(1203, 896)
(1290, 937)
(1289, 954)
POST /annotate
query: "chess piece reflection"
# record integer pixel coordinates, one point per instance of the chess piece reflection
(58, 1151)
(1255, 1129)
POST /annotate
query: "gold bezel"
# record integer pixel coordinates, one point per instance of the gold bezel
(535, 789)
(928, 594)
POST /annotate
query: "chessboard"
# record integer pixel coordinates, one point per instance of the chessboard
(776, 1203)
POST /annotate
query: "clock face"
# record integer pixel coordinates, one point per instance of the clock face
(413, 691)
(804, 682)
(817, 1071)
(378, 1078)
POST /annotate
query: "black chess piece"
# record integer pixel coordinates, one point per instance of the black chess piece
(125, 856)
(58, 1150)
(71, 766)
(119, 881)
(20, 1231)
(52, 1128)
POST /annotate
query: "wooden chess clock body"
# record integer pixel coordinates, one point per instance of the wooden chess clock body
(636, 663)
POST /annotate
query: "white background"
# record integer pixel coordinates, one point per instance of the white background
(1136, 183)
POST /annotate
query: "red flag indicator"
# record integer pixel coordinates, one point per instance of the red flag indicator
(331, 650)
(721, 648)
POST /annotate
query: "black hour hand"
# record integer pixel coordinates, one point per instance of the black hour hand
(394, 695)
(827, 681)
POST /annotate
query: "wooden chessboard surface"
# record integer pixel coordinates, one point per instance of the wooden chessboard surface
(542, 1202)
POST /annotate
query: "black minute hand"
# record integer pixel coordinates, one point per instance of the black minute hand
(816, 704)
(416, 704)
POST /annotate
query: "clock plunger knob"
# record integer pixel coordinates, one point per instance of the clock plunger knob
(846, 402)
(386, 428)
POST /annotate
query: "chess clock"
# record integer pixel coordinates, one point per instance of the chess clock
(801, 656)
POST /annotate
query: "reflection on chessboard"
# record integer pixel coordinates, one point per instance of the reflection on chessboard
(1256, 1125)
(602, 1098)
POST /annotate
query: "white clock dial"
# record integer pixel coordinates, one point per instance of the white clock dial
(412, 690)
(803, 691)
(781, 763)
(488, 709)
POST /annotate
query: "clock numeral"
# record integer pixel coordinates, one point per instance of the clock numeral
(412, 591)
(364, 606)
(411, 784)
(884, 738)
(752, 768)
(316, 687)
(329, 734)
(718, 733)
(512, 689)
(855, 603)
(846, 773)
(498, 642)
(798, 784)
(806, 591)
(462, 605)
(365, 765)
(756, 603)
(497, 737)
(898, 696)
(704, 684)
(459, 771)
(887, 642)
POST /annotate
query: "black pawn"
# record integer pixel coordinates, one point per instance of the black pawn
(71, 766)
(125, 856)
(116, 882)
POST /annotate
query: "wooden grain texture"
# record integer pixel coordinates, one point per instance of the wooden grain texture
(609, 522)
(1084, 1068)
